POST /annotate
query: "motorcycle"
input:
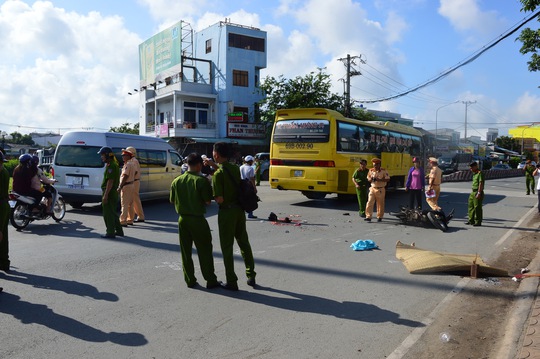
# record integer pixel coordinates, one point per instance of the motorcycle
(24, 209)
(436, 219)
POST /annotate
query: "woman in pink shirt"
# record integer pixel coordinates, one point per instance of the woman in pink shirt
(416, 182)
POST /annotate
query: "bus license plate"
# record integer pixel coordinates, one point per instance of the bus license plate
(298, 173)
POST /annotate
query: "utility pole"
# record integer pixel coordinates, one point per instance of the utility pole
(467, 103)
(350, 72)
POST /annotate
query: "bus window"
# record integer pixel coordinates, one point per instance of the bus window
(301, 130)
(394, 142)
(416, 146)
(348, 137)
(382, 140)
(370, 138)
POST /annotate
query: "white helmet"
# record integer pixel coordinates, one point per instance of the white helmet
(249, 158)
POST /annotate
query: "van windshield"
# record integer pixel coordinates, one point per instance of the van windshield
(78, 156)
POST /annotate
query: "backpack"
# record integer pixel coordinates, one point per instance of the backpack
(247, 197)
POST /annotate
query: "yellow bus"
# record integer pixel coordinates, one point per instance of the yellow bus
(316, 151)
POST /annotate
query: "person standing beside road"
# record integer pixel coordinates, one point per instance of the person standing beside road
(136, 208)
(361, 183)
(109, 201)
(416, 181)
(529, 177)
(127, 178)
(434, 183)
(231, 218)
(476, 197)
(247, 172)
(537, 173)
(257, 171)
(378, 177)
(190, 193)
(4, 216)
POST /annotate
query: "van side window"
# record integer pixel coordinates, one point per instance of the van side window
(175, 158)
(152, 158)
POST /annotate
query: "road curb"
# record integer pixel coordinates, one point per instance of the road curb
(522, 336)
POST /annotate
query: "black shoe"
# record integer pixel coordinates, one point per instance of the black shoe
(5, 268)
(477, 225)
(229, 286)
(212, 285)
(108, 236)
(119, 234)
(379, 219)
(251, 281)
(192, 285)
(138, 220)
(253, 217)
(468, 223)
(124, 225)
(367, 219)
(363, 215)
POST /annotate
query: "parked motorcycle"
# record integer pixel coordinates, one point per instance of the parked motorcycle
(24, 209)
(436, 219)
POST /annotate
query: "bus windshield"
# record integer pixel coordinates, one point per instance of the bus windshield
(301, 130)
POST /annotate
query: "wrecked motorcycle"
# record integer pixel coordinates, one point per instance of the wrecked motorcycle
(420, 217)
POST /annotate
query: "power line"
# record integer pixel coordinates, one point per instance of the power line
(470, 59)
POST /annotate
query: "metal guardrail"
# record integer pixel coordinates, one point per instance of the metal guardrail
(489, 174)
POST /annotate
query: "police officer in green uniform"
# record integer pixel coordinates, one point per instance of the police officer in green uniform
(477, 196)
(529, 178)
(109, 202)
(4, 216)
(190, 193)
(231, 218)
(362, 184)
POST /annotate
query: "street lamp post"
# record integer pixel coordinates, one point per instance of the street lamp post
(436, 118)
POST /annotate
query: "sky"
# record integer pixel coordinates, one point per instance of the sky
(69, 65)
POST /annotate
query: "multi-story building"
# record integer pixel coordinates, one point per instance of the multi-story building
(198, 88)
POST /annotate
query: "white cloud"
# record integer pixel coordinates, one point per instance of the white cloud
(467, 17)
(65, 70)
(526, 108)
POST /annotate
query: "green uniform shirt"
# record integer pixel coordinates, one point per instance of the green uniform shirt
(529, 171)
(360, 176)
(190, 192)
(4, 184)
(112, 171)
(477, 178)
(223, 184)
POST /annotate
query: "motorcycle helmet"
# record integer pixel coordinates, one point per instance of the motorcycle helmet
(105, 150)
(25, 159)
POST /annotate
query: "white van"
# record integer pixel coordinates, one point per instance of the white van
(79, 170)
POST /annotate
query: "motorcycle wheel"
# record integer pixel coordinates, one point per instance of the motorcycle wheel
(437, 221)
(18, 216)
(59, 210)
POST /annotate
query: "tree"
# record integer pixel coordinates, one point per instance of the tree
(126, 128)
(530, 38)
(312, 90)
(20, 139)
(510, 143)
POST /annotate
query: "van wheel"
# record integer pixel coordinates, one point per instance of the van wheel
(77, 205)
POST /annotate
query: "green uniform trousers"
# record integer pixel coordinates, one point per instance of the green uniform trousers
(232, 224)
(110, 215)
(362, 195)
(475, 208)
(4, 244)
(195, 229)
(529, 182)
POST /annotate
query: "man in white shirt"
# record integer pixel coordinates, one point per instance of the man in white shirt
(247, 171)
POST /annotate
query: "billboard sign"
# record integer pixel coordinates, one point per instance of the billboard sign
(160, 53)
(245, 130)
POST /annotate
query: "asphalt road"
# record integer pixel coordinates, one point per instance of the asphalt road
(72, 294)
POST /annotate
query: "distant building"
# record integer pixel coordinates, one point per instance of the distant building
(529, 136)
(391, 116)
(492, 134)
(202, 87)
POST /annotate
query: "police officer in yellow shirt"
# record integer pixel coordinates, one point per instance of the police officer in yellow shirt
(378, 177)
